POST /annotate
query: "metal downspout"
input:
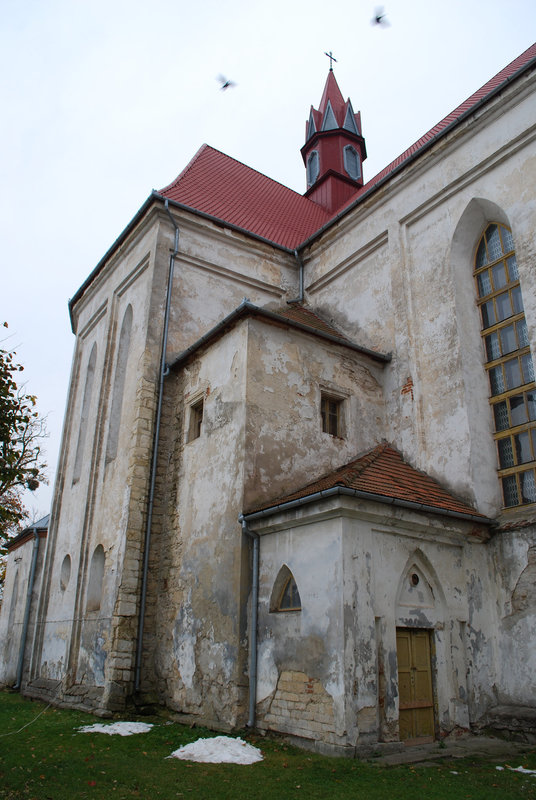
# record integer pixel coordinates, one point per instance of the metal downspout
(299, 299)
(254, 615)
(154, 460)
(27, 610)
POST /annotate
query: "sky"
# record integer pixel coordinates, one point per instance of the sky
(104, 101)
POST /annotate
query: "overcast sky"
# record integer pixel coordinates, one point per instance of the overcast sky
(104, 100)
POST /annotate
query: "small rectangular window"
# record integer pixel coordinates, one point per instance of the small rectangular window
(196, 420)
(331, 413)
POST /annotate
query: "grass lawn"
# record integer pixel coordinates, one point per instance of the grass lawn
(50, 759)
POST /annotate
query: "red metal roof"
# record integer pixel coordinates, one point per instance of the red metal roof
(384, 473)
(221, 187)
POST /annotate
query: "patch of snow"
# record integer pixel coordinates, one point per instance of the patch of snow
(121, 728)
(523, 770)
(219, 750)
(519, 769)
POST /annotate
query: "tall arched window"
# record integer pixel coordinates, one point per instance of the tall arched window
(508, 364)
(119, 385)
(86, 402)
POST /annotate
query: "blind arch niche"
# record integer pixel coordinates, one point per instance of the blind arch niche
(86, 403)
(119, 386)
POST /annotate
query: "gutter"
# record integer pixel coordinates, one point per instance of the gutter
(361, 495)
(254, 616)
(24, 635)
(164, 371)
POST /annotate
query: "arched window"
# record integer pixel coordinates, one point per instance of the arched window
(119, 386)
(285, 594)
(96, 576)
(508, 363)
(313, 167)
(86, 402)
(351, 162)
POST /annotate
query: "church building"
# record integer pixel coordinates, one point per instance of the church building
(296, 488)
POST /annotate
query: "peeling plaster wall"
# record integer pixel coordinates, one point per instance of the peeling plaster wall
(104, 505)
(198, 592)
(395, 274)
(351, 560)
(302, 653)
(503, 616)
(215, 269)
(288, 371)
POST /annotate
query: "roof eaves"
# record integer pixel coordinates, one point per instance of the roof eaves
(247, 308)
(40, 525)
(362, 495)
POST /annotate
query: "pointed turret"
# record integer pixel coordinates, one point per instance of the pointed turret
(334, 149)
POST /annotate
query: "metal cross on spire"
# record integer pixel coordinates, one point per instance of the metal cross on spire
(331, 60)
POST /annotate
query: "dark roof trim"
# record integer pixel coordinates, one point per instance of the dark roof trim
(118, 242)
(249, 309)
(361, 495)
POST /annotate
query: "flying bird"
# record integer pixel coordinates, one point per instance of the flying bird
(380, 18)
(225, 83)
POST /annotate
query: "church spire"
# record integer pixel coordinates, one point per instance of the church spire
(334, 148)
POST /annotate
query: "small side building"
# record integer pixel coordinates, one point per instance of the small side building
(26, 556)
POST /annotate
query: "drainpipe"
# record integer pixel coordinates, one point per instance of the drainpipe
(26, 621)
(164, 371)
(254, 614)
(299, 299)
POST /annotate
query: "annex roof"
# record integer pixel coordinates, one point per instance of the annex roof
(293, 315)
(40, 527)
(382, 475)
(227, 190)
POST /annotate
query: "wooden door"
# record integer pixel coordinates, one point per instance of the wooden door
(416, 701)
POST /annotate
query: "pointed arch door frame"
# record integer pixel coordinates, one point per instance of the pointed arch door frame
(419, 613)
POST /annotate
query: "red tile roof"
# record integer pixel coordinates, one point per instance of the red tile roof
(382, 472)
(223, 188)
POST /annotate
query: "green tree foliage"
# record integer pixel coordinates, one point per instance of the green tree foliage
(21, 434)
